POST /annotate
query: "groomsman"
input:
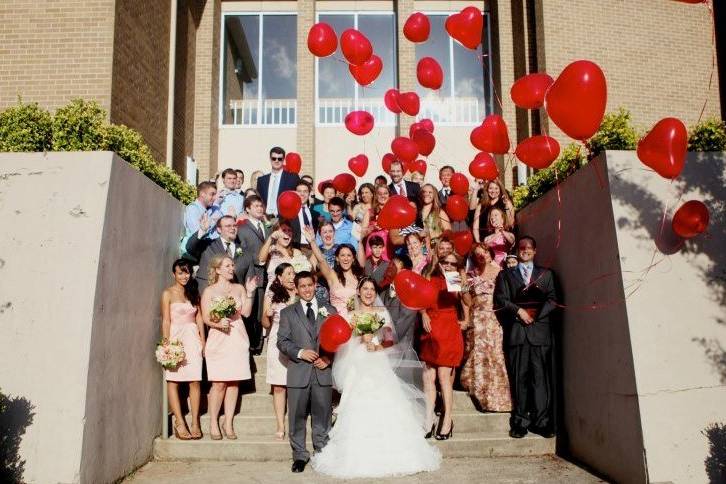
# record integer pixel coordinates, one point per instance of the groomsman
(399, 186)
(445, 174)
(205, 248)
(229, 200)
(304, 218)
(527, 298)
(271, 185)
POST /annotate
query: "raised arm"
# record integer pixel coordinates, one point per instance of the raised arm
(475, 225)
(264, 253)
(248, 291)
(360, 252)
(325, 269)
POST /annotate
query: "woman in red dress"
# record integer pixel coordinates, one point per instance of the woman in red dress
(442, 345)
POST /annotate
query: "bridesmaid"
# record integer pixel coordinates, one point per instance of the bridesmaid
(415, 245)
(484, 374)
(442, 346)
(182, 320)
(281, 294)
(228, 346)
(500, 240)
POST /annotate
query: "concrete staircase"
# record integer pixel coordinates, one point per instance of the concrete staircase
(475, 434)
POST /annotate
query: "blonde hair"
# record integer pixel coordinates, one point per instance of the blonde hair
(216, 263)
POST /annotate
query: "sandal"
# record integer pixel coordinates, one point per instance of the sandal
(214, 436)
(196, 433)
(229, 436)
(182, 436)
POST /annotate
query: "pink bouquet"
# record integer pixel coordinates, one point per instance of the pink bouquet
(170, 353)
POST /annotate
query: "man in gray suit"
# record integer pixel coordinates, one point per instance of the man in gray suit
(309, 377)
(203, 247)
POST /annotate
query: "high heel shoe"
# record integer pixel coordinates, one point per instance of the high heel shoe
(430, 433)
(229, 436)
(440, 436)
(179, 436)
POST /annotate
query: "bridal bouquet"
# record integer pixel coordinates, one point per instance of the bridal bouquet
(367, 323)
(223, 307)
(300, 263)
(170, 353)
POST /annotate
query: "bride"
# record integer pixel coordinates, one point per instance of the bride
(380, 426)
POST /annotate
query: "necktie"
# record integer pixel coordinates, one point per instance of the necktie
(446, 192)
(306, 219)
(526, 273)
(272, 197)
(310, 313)
(401, 189)
(228, 249)
(259, 230)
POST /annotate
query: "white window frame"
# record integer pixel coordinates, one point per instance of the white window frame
(261, 15)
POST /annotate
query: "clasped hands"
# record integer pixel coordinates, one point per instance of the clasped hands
(319, 362)
(525, 317)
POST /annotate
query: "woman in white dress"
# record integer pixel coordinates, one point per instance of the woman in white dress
(379, 430)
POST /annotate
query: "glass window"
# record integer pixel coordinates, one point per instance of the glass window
(259, 80)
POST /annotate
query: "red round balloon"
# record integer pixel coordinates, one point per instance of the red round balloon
(457, 207)
(322, 40)
(664, 148)
(344, 183)
(427, 124)
(368, 71)
(462, 241)
(288, 204)
(492, 136)
(538, 151)
(391, 101)
(334, 331)
(466, 26)
(358, 164)
(576, 100)
(429, 73)
(386, 161)
(690, 219)
(293, 162)
(359, 122)
(484, 166)
(404, 149)
(355, 46)
(409, 103)
(415, 291)
(322, 185)
(425, 141)
(529, 91)
(397, 213)
(459, 184)
(417, 27)
(418, 165)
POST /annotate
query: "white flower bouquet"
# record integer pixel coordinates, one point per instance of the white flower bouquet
(300, 263)
(223, 307)
(170, 353)
(367, 324)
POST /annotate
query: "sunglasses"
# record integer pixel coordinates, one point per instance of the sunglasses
(448, 263)
(276, 158)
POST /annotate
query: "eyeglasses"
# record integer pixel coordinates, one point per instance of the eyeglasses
(276, 158)
(448, 263)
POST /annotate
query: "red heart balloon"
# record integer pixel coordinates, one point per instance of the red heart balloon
(466, 26)
(409, 103)
(459, 184)
(359, 122)
(429, 73)
(484, 166)
(492, 136)
(417, 27)
(288, 204)
(690, 219)
(457, 207)
(425, 141)
(576, 100)
(358, 164)
(415, 291)
(368, 71)
(529, 91)
(664, 148)
(463, 241)
(334, 331)
(418, 165)
(344, 183)
(413, 128)
(538, 151)
(427, 124)
(356, 47)
(404, 148)
(397, 213)
(391, 101)
(386, 161)
(322, 40)
(293, 162)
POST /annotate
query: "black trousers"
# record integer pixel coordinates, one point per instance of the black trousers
(253, 323)
(531, 383)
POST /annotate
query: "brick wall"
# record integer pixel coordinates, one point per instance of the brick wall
(54, 50)
(305, 87)
(141, 70)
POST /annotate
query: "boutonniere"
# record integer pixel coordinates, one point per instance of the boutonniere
(323, 312)
(238, 252)
(267, 224)
(392, 290)
(350, 304)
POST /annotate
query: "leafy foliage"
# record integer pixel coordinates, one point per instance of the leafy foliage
(571, 159)
(616, 133)
(16, 414)
(708, 135)
(25, 127)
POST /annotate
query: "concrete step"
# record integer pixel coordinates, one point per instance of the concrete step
(494, 424)
(265, 448)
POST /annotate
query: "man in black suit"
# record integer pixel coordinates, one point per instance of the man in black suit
(445, 174)
(304, 217)
(526, 297)
(399, 186)
(270, 186)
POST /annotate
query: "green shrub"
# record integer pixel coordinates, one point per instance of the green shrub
(79, 127)
(570, 160)
(25, 127)
(615, 133)
(708, 135)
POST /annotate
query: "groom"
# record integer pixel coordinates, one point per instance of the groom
(309, 378)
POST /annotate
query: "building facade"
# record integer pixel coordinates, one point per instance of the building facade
(243, 79)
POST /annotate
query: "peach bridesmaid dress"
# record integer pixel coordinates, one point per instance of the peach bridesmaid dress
(184, 328)
(228, 353)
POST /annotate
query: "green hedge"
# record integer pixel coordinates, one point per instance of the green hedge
(82, 126)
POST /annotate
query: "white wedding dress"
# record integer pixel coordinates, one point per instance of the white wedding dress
(379, 429)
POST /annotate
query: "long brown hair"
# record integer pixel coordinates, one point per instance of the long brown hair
(503, 194)
(435, 206)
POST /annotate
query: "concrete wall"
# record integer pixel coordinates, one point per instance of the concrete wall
(642, 350)
(82, 272)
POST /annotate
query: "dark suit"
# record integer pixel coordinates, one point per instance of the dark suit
(529, 346)
(288, 181)
(444, 197)
(297, 229)
(205, 249)
(412, 190)
(251, 241)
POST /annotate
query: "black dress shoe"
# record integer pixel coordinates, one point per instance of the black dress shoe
(517, 432)
(546, 432)
(430, 433)
(299, 465)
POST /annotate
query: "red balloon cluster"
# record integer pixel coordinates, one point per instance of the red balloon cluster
(344, 183)
(368, 71)
(459, 184)
(322, 40)
(391, 101)
(409, 103)
(466, 27)
(538, 151)
(492, 136)
(417, 165)
(358, 164)
(457, 207)
(484, 166)
(404, 148)
(429, 73)
(334, 331)
(397, 213)
(415, 291)
(356, 47)
(386, 161)
(664, 148)
(690, 219)
(288, 204)
(529, 91)
(293, 162)
(424, 140)
(359, 122)
(417, 27)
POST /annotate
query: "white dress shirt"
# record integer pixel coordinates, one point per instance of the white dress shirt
(301, 220)
(272, 192)
(314, 307)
